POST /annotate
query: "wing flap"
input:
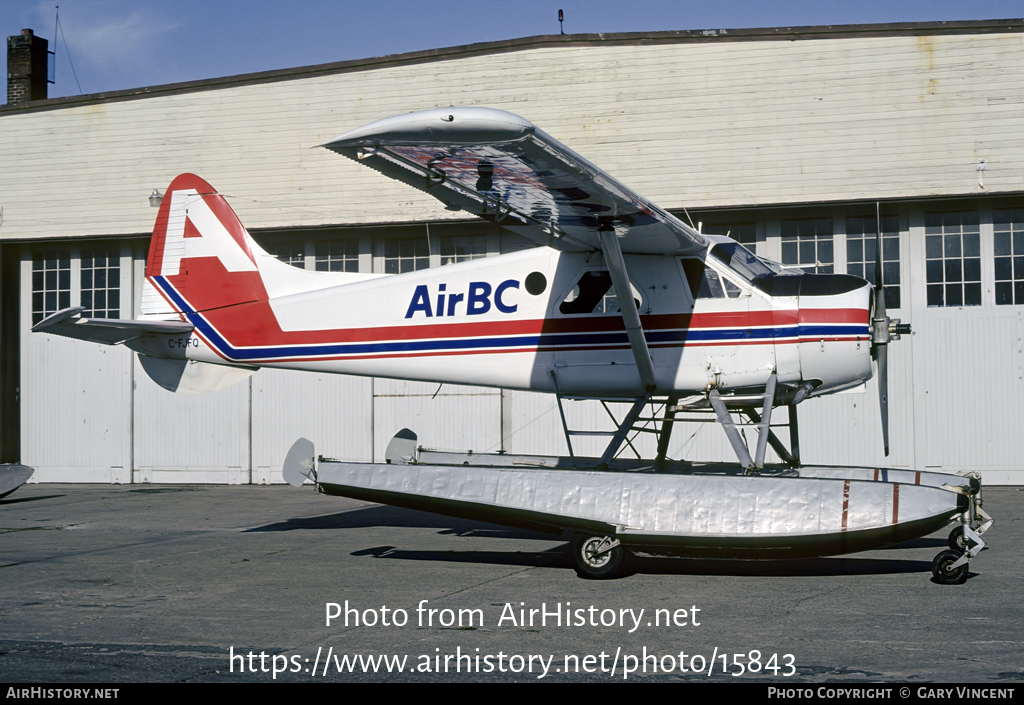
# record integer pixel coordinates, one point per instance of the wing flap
(501, 167)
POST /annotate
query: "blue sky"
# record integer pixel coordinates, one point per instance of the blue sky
(119, 44)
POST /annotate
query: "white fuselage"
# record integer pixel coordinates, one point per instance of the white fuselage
(510, 321)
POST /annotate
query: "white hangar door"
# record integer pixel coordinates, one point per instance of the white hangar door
(202, 438)
(185, 438)
(75, 396)
(335, 412)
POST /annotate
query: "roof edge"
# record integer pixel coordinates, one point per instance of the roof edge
(535, 42)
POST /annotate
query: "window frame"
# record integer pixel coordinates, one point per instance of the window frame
(945, 254)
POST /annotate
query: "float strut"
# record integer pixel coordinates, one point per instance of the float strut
(725, 419)
(561, 412)
(624, 428)
(666, 428)
(764, 427)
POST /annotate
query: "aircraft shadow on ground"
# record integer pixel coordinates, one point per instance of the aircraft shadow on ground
(396, 517)
(164, 490)
(16, 500)
(559, 557)
(926, 542)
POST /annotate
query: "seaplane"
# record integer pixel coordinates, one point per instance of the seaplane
(620, 302)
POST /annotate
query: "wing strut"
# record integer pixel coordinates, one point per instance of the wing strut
(630, 315)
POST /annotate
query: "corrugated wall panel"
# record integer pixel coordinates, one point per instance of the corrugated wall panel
(445, 417)
(75, 425)
(975, 399)
(534, 426)
(333, 411)
(190, 437)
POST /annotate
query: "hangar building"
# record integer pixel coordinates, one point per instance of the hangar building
(785, 138)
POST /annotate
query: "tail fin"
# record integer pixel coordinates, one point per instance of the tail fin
(200, 256)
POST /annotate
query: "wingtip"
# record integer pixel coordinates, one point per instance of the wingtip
(58, 317)
(442, 125)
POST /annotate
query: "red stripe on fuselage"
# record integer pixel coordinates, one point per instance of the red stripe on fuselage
(834, 315)
(254, 324)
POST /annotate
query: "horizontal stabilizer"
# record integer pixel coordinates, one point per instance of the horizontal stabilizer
(108, 331)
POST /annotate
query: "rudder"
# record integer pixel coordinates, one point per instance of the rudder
(200, 256)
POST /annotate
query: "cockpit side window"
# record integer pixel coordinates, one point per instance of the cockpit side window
(706, 283)
(731, 290)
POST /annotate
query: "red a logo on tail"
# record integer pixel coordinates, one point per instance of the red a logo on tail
(200, 250)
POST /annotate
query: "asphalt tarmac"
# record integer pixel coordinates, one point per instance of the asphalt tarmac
(144, 583)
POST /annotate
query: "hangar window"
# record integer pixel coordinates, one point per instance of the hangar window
(337, 255)
(51, 283)
(101, 282)
(861, 241)
(459, 248)
(405, 254)
(807, 243)
(952, 243)
(1009, 252)
(293, 253)
(743, 233)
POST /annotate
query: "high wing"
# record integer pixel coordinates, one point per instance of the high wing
(503, 168)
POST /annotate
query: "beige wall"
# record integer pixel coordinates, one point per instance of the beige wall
(688, 124)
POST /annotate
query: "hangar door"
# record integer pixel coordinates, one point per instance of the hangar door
(75, 398)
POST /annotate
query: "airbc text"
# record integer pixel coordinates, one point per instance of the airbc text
(475, 301)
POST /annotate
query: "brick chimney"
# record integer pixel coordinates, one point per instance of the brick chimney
(26, 67)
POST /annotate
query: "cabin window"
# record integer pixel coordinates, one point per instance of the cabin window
(952, 243)
(807, 243)
(337, 255)
(593, 294)
(51, 283)
(1008, 225)
(861, 241)
(100, 278)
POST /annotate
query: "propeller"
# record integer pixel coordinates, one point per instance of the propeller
(883, 329)
(880, 350)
